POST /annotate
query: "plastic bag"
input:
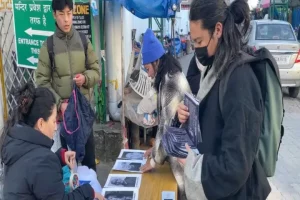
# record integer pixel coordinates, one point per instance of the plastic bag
(149, 103)
(89, 176)
(85, 176)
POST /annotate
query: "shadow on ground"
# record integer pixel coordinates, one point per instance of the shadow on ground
(103, 170)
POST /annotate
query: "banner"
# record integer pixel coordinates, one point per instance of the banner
(82, 18)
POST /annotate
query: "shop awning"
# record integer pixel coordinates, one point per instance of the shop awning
(265, 3)
(151, 8)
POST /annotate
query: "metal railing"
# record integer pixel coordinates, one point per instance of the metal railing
(14, 76)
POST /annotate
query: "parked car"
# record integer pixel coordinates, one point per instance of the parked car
(280, 39)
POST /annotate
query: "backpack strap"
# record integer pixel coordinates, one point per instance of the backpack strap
(85, 47)
(51, 54)
(265, 54)
(244, 58)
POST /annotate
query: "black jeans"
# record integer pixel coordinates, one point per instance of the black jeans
(89, 158)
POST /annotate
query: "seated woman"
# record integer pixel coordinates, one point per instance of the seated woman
(171, 85)
(32, 170)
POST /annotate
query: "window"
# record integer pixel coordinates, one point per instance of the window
(248, 33)
(274, 32)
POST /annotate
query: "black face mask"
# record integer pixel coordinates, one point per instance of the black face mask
(202, 55)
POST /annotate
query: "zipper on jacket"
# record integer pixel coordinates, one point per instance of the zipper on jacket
(71, 71)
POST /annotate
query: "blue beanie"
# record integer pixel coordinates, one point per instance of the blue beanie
(152, 48)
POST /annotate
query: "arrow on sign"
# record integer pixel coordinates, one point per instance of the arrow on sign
(33, 60)
(31, 32)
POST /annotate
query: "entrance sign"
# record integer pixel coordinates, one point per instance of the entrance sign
(33, 22)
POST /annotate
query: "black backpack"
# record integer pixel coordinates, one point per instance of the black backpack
(51, 52)
(266, 71)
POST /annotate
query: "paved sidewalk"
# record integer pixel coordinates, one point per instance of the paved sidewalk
(286, 182)
(185, 62)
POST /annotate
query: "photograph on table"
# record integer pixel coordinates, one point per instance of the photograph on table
(131, 154)
(128, 165)
(120, 193)
(168, 195)
(124, 180)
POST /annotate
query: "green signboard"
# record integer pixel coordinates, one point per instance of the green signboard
(34, 22)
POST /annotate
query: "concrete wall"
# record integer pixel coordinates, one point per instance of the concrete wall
(141, 26)
(128, 20)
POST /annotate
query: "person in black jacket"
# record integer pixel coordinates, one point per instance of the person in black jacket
(32, 170)
(193, 76)
(227, 167)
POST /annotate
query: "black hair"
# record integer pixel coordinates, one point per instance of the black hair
(58, 5)
(210, 12)
(167, 65)
(32, 104)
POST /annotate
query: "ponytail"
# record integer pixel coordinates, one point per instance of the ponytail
(24, 97)
(232, 17)
(240, 11)
(32, 104)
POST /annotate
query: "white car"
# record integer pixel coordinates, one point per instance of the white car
(280, 39)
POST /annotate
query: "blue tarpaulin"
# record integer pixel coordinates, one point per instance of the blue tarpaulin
(176, 45)
(296, 17)
(151, 8)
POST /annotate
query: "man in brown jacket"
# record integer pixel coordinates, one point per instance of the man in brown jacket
(72, 64)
